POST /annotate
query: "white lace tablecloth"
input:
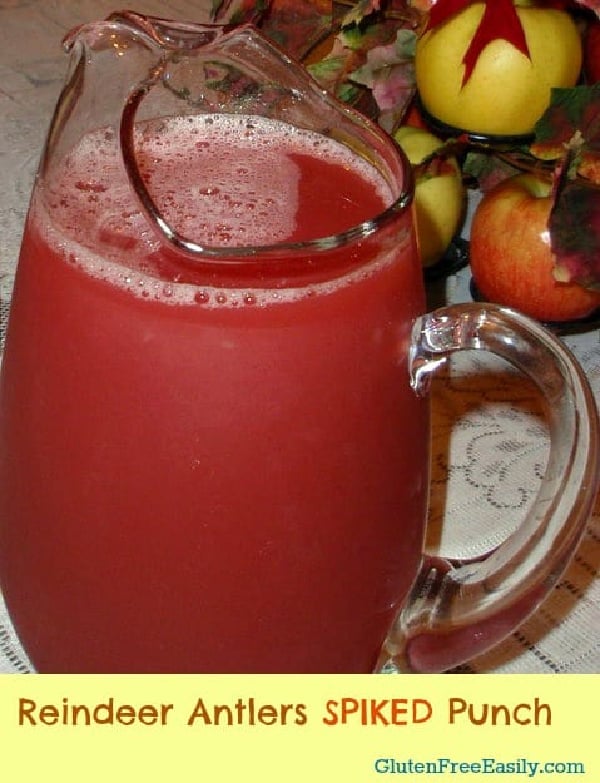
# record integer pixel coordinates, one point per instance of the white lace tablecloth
(489, 434)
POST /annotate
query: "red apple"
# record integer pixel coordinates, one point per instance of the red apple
(511, 260)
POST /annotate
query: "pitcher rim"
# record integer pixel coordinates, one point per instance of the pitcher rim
(152, 29)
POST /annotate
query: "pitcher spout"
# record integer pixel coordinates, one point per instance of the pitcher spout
(163, 33)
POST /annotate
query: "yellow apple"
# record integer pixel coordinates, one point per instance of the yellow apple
(507, 92)
(439, 200)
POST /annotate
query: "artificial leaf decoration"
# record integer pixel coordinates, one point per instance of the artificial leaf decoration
(238, 11)
(297, 25)
(593, 5)
(575, 234)
(572, 123)
(569, 132)
(486, 169)
(440, 162)
(358, 32)
(389, 73)
(499, 21)
(359, 11)
(370, 62)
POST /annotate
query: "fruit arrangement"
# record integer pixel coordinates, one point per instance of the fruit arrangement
(495, 97)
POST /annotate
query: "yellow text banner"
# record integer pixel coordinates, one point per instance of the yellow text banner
(352, 729)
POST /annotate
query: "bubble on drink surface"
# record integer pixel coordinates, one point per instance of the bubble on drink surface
(205, 202)
(200, 199)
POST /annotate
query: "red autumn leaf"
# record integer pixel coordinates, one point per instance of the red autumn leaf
(360, 11)
(575, 234)
(572, 123)
(569, 132)
(297, 25)
(499, 21)
(388, 72)
(440, 162)
(237, 11)
(593, 5)
(369, 63)
(570, 109)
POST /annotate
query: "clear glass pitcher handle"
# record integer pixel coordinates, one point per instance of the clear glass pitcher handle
(457, 610)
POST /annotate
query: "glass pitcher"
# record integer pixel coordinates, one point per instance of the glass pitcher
(214, 451)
